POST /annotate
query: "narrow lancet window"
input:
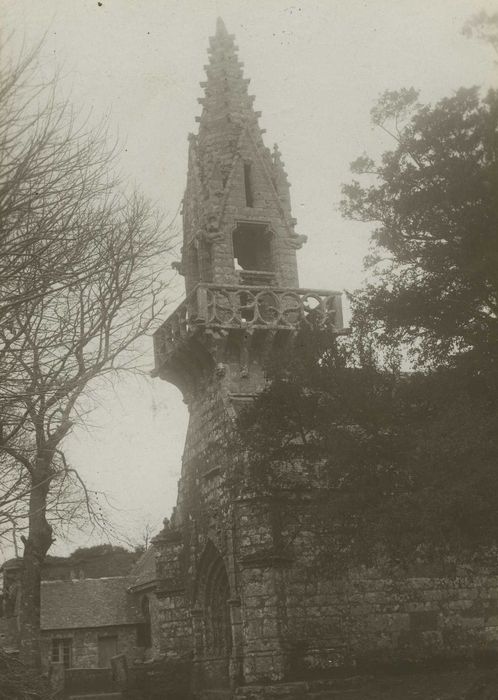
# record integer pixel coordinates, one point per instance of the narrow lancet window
(248, 185)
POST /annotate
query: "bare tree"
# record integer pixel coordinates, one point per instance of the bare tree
(52, 172)
(70, 504)
(81, 282)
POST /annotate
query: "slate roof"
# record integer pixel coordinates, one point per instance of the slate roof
(91, 602)
(144, 572)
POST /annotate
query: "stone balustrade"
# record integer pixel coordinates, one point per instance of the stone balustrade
(213, 306)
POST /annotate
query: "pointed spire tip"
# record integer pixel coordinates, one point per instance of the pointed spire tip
(220, 26)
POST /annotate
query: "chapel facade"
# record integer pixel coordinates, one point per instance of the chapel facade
(231, 582)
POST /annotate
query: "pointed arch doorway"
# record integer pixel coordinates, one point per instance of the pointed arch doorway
(211, 621)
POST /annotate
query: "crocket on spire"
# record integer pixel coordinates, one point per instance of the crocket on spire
(227, 106)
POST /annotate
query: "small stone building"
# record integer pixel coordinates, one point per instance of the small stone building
(84, 621)
(232, 581)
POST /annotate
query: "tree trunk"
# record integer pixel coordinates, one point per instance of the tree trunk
(36, 546)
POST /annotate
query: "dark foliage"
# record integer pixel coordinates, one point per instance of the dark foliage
(435, 246)
(98, 550)
(19, 683)
(406, 462)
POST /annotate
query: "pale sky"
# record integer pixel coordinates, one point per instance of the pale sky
(316, 68)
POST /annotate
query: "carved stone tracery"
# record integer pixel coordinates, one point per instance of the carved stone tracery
(237, 306)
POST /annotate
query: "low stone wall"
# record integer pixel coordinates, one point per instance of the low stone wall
(88, 680)
(159, 680)
(367, 619)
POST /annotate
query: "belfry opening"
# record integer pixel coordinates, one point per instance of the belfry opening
(252, 247)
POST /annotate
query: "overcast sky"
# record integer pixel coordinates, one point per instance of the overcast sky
(316, 68)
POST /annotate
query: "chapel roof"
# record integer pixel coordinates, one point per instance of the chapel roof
(84, 603)
(144, 572)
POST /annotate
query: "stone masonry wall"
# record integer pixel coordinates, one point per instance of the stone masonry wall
(381, 616)
(175, 625)
(373, 619)
(85, 644)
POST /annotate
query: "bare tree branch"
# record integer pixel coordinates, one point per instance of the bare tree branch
(81, 283)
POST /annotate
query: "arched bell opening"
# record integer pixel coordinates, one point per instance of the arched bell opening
(253, 253)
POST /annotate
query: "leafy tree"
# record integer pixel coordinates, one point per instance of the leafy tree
(398, 465)
(98, 550)
(435, 246)
(401, 464)
(484, 27)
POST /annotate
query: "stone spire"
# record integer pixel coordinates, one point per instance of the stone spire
(237, 221)
(227, 110)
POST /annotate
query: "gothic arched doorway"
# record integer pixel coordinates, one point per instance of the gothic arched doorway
(212, 596)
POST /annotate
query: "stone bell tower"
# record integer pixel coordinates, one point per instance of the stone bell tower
(222, 592)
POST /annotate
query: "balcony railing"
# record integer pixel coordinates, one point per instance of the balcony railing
(225, 307)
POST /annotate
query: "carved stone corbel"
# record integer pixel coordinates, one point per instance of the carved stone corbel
(296, 240)
(211, 233)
